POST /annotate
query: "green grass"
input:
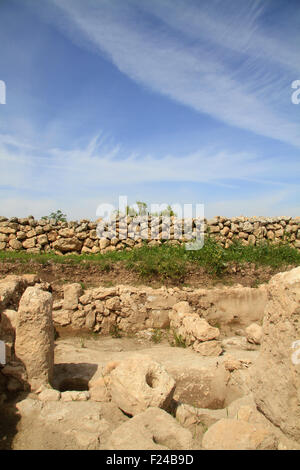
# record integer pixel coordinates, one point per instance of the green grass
(216, 259)
(177, 340)
(157, 336)
(171, 262)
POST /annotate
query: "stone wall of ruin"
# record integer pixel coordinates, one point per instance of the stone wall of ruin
(129, 309)
(37, 236)
(210, 314)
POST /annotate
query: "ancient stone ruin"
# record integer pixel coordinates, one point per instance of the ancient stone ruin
(143, 368)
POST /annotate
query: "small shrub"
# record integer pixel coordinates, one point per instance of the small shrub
(179, 341)
(58, 216)
(115, 331)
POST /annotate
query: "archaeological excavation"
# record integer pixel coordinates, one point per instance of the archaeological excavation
(149, 228)
(142, 368)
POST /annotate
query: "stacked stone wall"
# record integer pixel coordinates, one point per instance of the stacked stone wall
(35, 236)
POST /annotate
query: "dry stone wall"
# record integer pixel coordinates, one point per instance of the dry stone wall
(132, 309)
(37, 236)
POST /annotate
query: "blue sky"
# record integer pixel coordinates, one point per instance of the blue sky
(165, 101)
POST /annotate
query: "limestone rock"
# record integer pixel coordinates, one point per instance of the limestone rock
(139, 383)
(49, 395)
(113, 303)
(74, 395)
(182, 307)
(232, 363)
(199, 328)
(61, 317)
(72, 292)
(67, 244)
(190, 326)
(99, 390)
(276, 373)
(34, 345)
(8, 320)
(191, 417)
(90, 319)
(233, 434)
(158, 319)
(237, 342)
(104, 243)
(29, 243)
(15, 244)
(154, 429)
(86, 440)
(208, 348)
(254, 333)
(202, 386)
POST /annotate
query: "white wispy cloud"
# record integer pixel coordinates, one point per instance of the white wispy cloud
(97, 164)
(222, 64)
(234, 25)
(78, 180)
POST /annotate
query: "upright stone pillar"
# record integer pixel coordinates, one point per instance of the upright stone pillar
(34, 345)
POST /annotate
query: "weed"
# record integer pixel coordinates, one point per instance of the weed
(156, 336)
(178, 340)
(115, 331)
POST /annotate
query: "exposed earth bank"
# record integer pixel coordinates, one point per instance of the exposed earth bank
(247, 275)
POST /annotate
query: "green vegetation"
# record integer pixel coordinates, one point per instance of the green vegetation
(141, 209)
(171, 262)
(58, 216)
(168, 212)
(177, 340)
(157, 336)
(216, 259)
(115, 331)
